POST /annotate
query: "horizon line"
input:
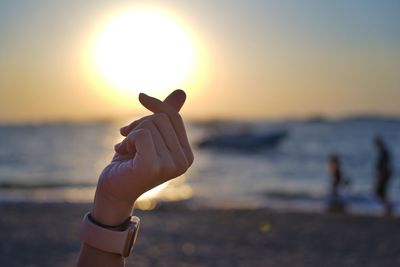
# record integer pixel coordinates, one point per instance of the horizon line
(194, 119)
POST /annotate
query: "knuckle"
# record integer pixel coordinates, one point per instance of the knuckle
(130, 126)
(123, 130)
(181, 166)
(145, 124)
(160, 117)
(179, 173)
(190, 159)
(189, 156)
(145, 132)
(117, 146)
(141, 133)
(135, 122)
(185, 164)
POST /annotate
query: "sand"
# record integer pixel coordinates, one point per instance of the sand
(47, 235)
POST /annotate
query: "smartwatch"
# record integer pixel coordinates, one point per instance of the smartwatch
(113, 239)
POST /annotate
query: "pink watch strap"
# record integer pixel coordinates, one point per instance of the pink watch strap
(102, 238)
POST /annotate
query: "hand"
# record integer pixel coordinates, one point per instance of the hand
(155, 150)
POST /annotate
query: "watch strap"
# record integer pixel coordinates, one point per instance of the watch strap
(120, 227)
(104, 239)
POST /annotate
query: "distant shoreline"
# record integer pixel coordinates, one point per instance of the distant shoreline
(197, 120)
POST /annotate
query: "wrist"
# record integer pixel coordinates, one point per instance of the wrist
(109, 210)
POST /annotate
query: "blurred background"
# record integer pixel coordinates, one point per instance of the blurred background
(274, 87)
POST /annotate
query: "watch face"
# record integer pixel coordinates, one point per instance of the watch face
(133, 232)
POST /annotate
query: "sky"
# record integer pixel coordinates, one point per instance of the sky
(253, 59)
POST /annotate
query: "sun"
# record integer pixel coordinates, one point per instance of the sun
(143, 50)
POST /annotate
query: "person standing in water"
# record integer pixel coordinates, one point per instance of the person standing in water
(383, 173)
(336, 203)
(336, 173)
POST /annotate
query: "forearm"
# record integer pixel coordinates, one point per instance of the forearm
(90, 256)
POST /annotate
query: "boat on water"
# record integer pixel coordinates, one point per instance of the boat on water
(244, 141)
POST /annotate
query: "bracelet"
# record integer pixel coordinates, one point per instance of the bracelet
(120, 227)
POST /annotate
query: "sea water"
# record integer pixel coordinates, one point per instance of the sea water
(62, 162)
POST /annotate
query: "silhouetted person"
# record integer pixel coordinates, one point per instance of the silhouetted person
(383, 173)
(336, 173)
(336, 204)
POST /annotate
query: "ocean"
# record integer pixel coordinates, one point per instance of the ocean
(60, 162)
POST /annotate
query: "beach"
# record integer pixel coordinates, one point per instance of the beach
(46, 234)
(282, 147)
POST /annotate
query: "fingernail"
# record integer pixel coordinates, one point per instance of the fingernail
(180, 91)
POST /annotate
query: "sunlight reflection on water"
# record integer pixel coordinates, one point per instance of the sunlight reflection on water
(176, 190)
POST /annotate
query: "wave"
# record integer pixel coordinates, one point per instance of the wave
(282, 195)
(44, 185)
(358, 199)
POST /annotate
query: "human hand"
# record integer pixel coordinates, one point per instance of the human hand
(155, 150)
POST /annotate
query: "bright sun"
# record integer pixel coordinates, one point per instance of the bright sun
(143, 51)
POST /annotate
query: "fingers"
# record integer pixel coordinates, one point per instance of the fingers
(156, 106)
(172, 159)
(172, 104)
(142, 165)
(123, 148)
(175, 100)
(143, 142)
(159, 144)
(168, 134)
(122, 157)
(165, 140)
(127, 129)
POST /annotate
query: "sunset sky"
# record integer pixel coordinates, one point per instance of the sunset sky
(236, 59)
